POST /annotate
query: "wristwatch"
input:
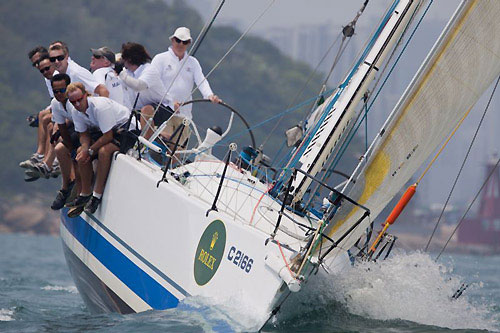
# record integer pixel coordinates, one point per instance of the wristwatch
(90, 151)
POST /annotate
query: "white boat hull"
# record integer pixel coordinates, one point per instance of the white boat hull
(149, 247)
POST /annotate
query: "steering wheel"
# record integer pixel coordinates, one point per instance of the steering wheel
(227, 106)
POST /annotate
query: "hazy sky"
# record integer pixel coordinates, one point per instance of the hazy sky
(286, 13)
(297, 13)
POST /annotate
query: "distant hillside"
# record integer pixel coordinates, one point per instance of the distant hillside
(256, 78)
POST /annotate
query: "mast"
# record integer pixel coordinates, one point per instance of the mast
(341, 107)
(460, 67)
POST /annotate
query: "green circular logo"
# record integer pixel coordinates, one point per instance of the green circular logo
(209, 252)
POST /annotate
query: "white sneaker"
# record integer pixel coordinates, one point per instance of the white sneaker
(31, 162)
(43, 170)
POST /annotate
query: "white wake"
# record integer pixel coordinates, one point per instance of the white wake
(6, 315)
(411, 287)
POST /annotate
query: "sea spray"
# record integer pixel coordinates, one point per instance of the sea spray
(227, 313)
(410, 287)
(6, 315)
(69, 289)
(404, 288)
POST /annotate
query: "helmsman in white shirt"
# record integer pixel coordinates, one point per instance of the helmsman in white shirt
(179, 73)
(94, 113)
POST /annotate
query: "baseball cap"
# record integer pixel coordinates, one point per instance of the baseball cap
(104, 52)
(182, 33)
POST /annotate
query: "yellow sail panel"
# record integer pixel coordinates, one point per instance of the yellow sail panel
(374, 177)
(461, 66)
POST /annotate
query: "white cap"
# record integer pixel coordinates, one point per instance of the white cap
(182, 33)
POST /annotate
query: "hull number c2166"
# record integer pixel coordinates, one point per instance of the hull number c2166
(240, 259)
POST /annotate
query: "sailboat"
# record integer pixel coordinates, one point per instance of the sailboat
(216, 228)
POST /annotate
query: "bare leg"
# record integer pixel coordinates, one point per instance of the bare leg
(147, 113)
(50, 154)
(64, 157)
(103, 166)
(75, 174)
(86, 173)
(44, 118)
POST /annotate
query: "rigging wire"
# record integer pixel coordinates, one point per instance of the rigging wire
(218, 63)
(354, 129)
(299, 94)
(193, 49)
(353, 132)
(341, 51)
(468, 208)
(329, 170)
(462, 166)
(347, 32)
(296, 107)
(204, 32)
(233, 46)
(310, 135)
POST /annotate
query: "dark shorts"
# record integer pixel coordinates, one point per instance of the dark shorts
(75, 138)
(95, 134)
(163, 113)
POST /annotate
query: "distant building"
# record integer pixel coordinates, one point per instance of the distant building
(484, 229)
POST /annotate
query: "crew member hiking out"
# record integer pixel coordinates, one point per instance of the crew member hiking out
(94, 114)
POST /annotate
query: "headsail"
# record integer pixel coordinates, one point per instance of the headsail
(461, 66)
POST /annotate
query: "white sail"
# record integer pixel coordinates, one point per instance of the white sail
(341, 106)
(461, 66)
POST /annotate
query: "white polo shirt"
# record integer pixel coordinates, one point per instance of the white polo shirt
(79, 74)
(49, 87)
(59, 113)
(155, 91)
(167, 63)
(116, 88)
(102, 113)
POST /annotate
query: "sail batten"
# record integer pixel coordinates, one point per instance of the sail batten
(460, 67)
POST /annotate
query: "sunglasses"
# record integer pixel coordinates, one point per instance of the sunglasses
(97, 56)
(77, 101)
(60, 91)
(58, 58)
(43, 70)
(185, 42)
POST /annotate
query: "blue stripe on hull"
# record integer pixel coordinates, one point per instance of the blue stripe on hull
(95, 293)
(143, 285)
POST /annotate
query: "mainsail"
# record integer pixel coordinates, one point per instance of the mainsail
(341, 106)
(460, 67)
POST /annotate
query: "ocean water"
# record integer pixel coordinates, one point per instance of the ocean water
(407, 293)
